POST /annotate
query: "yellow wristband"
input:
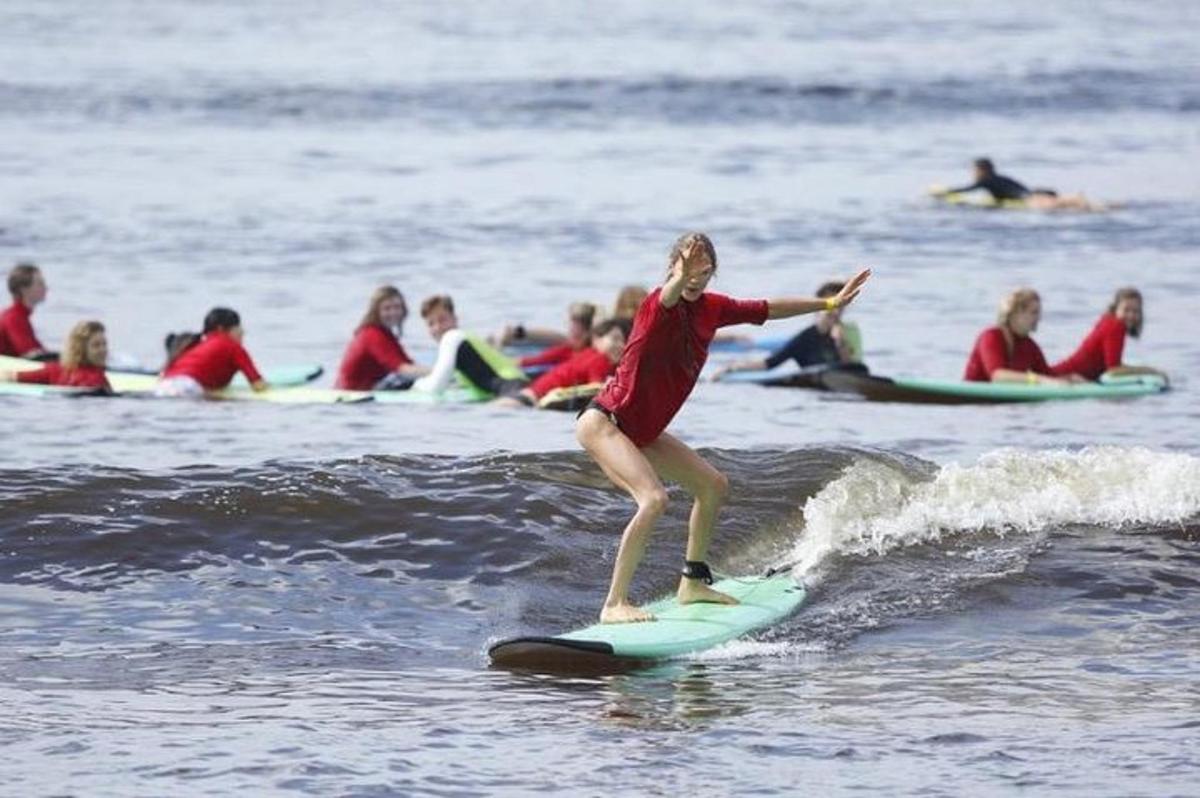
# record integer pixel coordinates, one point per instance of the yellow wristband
(831, 303)
(1030, 377)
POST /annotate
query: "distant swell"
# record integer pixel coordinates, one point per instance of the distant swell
(668, 99)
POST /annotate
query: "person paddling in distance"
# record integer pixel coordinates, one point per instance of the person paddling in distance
(623, 428)
(375, 359)
(1007, 352)
(81, 364)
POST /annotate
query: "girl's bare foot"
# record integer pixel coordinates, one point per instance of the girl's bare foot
(693, 591)
(624, 613)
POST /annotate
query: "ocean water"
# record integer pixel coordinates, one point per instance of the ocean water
(214, 598)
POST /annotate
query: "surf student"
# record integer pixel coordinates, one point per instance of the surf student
(623, 428)
(28, 289)
(1003, 188)
(559, 348)
(81, 364)
(1101, 350)
(375, 359)
(828, 341)
(1006, 352)
(629, 299)
(594, 364)
(211, 362)
(476, 363)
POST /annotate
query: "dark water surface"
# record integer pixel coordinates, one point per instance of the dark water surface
(218, 598)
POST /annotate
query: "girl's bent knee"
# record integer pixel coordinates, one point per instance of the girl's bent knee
(654, 502)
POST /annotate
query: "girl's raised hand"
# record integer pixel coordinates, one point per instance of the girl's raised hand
(851, 289)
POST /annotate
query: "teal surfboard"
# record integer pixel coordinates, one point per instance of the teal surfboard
(676, 631)
(948, 392)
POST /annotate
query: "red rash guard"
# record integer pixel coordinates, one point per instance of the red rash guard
(78, 377)
(373, 353)
(16, 332)
(213, 362)
(991, 353)
(664, 356)
(552, 356)
(588, 366)
(1098, 353)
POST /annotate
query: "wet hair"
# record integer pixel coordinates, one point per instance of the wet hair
(985, 165)
(1128, 292)
(629, 299)
(831, 288)
(221, 319)
(608, 325)
(178, 343)
(21, 277)
(436, 301)
(688, 241)
(382, 294)
(1016, 301)
(74, 352)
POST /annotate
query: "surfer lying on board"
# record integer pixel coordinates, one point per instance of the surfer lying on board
(1006, 352)
(827, 342)
(375, 359)
(81, 364)
(476, 362)
(559, 348)
(28, 289)
(623, 427)
(210, 362)
(1100, 353)
(1005, 188)
(593, 365)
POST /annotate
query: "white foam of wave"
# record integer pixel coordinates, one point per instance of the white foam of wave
(874, 507)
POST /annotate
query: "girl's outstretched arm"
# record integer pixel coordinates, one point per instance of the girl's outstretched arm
(785, 308)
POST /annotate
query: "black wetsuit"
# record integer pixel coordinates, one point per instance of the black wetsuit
(999, 186)
(810, 347)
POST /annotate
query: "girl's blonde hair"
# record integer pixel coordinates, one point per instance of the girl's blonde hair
(1016, 301)
(74, 352)
(382, 294)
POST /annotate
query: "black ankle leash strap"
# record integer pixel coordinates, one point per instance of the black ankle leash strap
(697, 569)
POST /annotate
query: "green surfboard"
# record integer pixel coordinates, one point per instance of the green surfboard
(677, 630)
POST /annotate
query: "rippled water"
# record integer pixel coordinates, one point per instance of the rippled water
(219, 598)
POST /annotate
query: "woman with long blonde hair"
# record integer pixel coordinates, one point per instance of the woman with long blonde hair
(375, 357)
(81, 364)
(1006, 352)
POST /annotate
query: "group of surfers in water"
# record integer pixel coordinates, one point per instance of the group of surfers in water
(649, 355)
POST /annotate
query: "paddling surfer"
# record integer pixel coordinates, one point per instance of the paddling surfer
(210, 362)
(1004, 188)
(81, 364)
(623, 428)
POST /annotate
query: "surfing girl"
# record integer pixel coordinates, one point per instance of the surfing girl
(211, 362)
(81, 364)
(375, 357)
(623, 428)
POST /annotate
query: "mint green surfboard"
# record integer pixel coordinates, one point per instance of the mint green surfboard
(677, 630)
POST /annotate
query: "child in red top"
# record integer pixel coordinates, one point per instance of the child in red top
(559, 348)
(81, 364)
(593, 365)
(28, 289)
(375, 354)
(210, 363)
(623, 428)
(1101, 350)
(1006, 353)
